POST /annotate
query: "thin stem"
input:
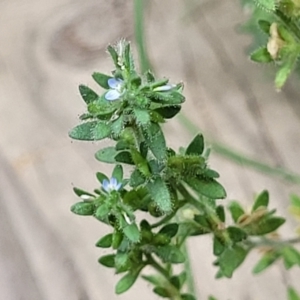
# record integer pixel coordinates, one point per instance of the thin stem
(240, 158)
(174, 292)
(188, 197)
(188, 268)
(167, 218)
(139, 16)
(265, 242)
(151, 261)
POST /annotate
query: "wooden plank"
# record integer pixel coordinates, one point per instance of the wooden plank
(48, 48)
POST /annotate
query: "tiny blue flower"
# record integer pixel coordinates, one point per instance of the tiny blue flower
(116, 89)
(111, 185)
(164, 88)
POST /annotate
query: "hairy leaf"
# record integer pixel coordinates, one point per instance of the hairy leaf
(83, 208)
(267, 260)
(160, 194)
(105, 241)
(126, 282)
(261, 200)
(101, 79)
(87, 94)
(196, 146)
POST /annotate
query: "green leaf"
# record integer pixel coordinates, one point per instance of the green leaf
(107, 260)
(221, 212)
(168, 112)
(142, 116)
(126, 282)
(83, 208)
(264, 226)
(231, 259)
(117, 126)
(101, 131)
(207, 187)
(154, 279)
(269, 5)
(236, 210)
(187, 297)
(295, 200)
(118, 173)
(132, 232)
(140, 162)
(161, 292)
(160, 194)
(196, 146)
(101, 79)
(285, 34)
(136, 178)
(114, 55)
(170, 254)
(267, 260)
(83, 132)
(261, 200)
(261, 55)
(117, 239)
(81, 193)
(204, 224)
(128, 59)
(157, 142)
(292, 294)
(155, 166)
(218, 246)
(107, 155)
(170, 230)
(124, 157)
(87, 94)
(102, 211)
(105, 241)
(169, 98)
(236, 234)
(285, 70)
(291, 256)
(178, 280)
(100, 176)
(264, 26)
(103, 109)
(212, 298)
(122, 145)
(121, 260)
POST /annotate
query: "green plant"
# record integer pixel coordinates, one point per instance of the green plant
(278, 21)
(177, 190)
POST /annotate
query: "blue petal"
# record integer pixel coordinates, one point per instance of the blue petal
(113, 182)
(112, 95)
(118, 186)
(114, 82)
(105, 185)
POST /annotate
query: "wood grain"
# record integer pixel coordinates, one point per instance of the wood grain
(47, 49)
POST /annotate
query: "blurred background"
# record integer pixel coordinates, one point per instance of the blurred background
(47, 49)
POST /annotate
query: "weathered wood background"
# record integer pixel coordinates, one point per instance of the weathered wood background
(47, 49)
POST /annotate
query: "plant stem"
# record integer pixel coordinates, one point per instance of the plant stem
(174, 292)
(266, 242)
(139, 16)
(168, 217)
(240, 158)
(188, 269)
